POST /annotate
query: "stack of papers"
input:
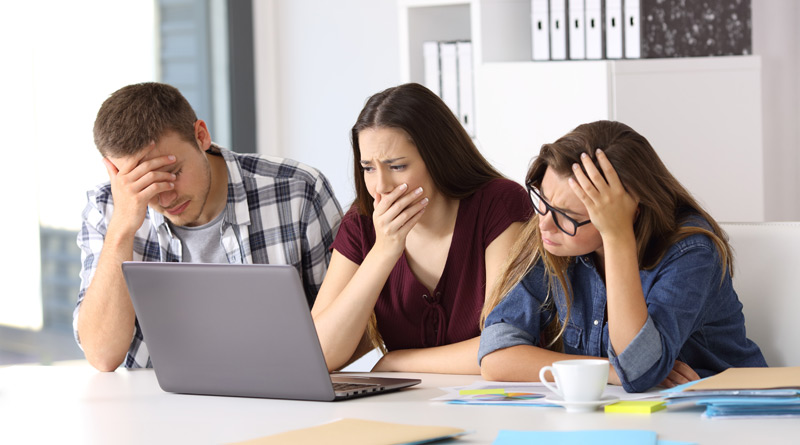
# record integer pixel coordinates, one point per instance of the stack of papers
(744, 392)
(596, 437)
(521, 394)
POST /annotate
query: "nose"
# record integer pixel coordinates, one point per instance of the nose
(384, 183)
(546, 223)
(166, 198)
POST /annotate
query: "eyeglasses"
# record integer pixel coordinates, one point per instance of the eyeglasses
(563, 222)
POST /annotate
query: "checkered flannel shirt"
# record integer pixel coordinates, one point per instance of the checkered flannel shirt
(278, 212)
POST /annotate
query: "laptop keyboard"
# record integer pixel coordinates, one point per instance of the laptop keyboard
(355, 387)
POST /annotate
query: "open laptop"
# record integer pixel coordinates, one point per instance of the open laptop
(236, 330)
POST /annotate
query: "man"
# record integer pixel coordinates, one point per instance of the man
(174, 195)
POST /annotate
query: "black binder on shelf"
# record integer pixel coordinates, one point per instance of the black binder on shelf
(675, 28)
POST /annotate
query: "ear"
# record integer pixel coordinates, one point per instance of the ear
(202, 135)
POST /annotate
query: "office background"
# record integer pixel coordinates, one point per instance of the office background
(313, 64)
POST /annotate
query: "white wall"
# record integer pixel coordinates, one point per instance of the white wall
(317, 62)
(776, 38)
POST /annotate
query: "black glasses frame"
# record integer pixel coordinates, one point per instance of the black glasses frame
(533, 192)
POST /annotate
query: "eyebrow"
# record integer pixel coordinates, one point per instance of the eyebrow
(571, 212)
(387, 161)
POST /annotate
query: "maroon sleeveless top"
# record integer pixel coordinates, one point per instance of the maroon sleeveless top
(411, 316)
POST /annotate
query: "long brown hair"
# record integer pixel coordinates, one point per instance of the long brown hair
(456, 166)
(664, 208)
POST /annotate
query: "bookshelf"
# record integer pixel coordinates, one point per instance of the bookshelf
(702, 114)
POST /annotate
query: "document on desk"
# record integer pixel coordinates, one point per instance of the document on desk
(595, 437)
(521, 394)
(360, 432)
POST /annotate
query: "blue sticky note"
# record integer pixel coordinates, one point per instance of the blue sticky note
(595, 437)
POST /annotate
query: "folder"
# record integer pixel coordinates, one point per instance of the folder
(558, 30)
(594, 29)
(687, 29)
(466, 110)
(540, 29)
(577, 29)
(448, 60)
(430, 60)
(613, 29)
(632, 29)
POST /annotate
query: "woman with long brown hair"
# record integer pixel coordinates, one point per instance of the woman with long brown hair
(421, 245)
(620, 261)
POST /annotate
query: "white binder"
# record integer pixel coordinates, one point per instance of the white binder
(558, 30)
(594, 29)
(430, 59)
(577, 29)
(633, 33)
(449, 69)
(613, 29)
(540, 29)
(466, 110)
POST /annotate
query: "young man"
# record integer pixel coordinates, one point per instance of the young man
(173, 195)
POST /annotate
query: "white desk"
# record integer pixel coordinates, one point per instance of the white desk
(76, 404)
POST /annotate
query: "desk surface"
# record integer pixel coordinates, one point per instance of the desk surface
(76, 404)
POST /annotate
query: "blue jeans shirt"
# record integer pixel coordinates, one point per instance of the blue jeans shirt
(694, 316)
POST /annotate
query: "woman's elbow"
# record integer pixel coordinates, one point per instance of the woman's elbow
(491, 368)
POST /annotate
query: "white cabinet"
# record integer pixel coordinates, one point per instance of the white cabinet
(702, 115)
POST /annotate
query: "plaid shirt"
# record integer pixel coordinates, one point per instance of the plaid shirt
(278, 211)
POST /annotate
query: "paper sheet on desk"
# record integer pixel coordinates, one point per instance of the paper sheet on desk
(597, 437)
(358, 432)
(454, 394)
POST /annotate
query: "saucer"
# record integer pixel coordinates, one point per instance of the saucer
(581, 407)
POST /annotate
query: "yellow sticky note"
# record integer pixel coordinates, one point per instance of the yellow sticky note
(472, 392)
(636, 406)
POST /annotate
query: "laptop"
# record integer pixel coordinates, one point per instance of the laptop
(237, 330)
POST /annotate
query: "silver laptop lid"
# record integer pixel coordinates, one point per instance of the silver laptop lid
(229, 329)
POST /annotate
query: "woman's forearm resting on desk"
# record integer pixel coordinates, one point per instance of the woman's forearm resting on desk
(455, 358)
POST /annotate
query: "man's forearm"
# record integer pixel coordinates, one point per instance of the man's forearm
(106, 320)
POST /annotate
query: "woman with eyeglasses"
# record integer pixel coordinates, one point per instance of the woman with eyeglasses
(620, 261)
(422, 244)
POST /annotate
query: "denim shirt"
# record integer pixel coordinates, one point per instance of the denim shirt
(694, 316)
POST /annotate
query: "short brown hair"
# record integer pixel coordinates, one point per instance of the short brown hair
(456, 166)
(136, 115)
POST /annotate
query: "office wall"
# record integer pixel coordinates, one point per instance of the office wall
(776, 38)
(317, 61)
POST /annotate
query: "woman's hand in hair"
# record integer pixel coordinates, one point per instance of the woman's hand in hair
(395, 215)
(611, 208)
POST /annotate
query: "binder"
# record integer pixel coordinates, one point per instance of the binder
(632, 29)
(613, 29)
(449, 70)
(577, 29)
(558, 30)
(686, 29)
(466, 110)
(540, 29)
(594, 29)
(430, 59)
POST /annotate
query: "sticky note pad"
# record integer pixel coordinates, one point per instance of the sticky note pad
(636, 406)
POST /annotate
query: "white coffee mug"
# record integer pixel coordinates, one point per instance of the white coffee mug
(582, 380)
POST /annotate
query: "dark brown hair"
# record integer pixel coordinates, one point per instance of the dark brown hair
(456, 166)
(665, 207)
(136, 115)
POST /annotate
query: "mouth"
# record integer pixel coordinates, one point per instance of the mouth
(547, 242)
(178, 209)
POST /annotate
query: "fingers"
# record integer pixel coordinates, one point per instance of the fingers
(110, 168)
